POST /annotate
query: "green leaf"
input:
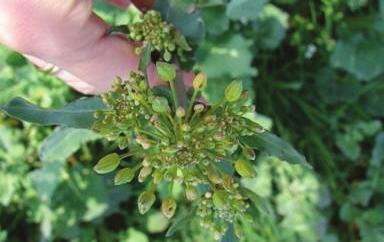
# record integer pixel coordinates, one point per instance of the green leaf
(245, 9)
(362, 56)
(64, 142)
(16, 60)
(215, 20)
(275, 146)
(378, 151)
(167, 72)
(228, 56)
(145, 58)
(108, 164)
(179, 222)
(78, 114)
(229, 235)
(188, 22)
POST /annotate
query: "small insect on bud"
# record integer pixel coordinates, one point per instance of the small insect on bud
(220, 199)
(160, 105)
(123, 176)
(167, 72)
(200, 82)
(191, 193)
(107, 164)
(233, 91)
(244, 168)
(145, 202)
(198, 108)
(168, 207)
(180, 112)
(144, 173)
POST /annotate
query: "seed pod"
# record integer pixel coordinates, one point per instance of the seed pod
(167, 72)
(228, 182)
(107, 164)
(200, 82)
(168, 207)
(220, 198)
(145, 202)
(144, 173)
(160, 105)
(191, 193)
(233, 91)
(213, 175)
(244, 168)
(123, 176)
(249, 153)
(157, 176)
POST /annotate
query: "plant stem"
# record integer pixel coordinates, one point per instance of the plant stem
(191, 102)
(174, 97)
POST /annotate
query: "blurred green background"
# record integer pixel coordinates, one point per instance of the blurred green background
(316, 71)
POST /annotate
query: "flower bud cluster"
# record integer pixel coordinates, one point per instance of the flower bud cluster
(188, 146)
(162, 36)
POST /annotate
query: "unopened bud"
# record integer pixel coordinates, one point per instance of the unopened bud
(160, 105)
(233, 91)
(180, 112)
(200, 82)
(123, 176)
(213, 175)
(198, 108)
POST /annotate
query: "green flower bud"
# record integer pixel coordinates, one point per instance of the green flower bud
(191, 193)
(157, 176)
(168, 207)
(198, 108)
(220, 199)
(200, 82)
(107, 164)
(228, 183)
(180, 112)
(160, 105)
(167, 72)
(233, 91)
(244, 168)
(145, 202)
(125, 175)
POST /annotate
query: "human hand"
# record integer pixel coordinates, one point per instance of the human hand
(67, 34)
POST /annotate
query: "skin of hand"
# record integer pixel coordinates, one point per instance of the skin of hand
(67, 34)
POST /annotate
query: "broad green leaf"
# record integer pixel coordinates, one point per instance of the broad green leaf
(64, 142)
(229, 235)
(378, 151)
(215, 20)
(274, 146)
(227, 56)
(46, 179)
(271, 27)
(245, 9)
(108, 163)
(362, 56)
(188, 22)
(78, 114)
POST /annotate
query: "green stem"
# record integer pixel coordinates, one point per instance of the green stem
(191, 102)
(174, 97)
